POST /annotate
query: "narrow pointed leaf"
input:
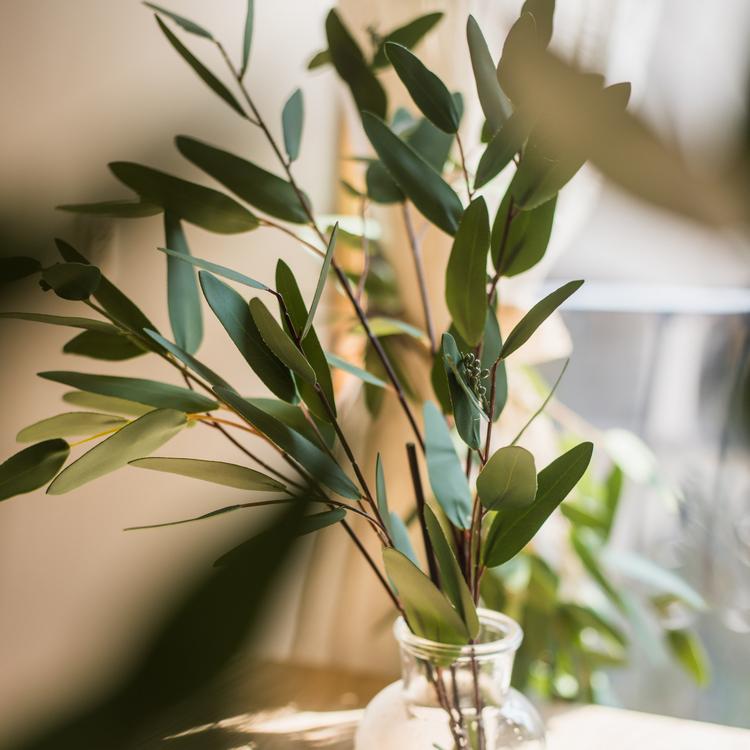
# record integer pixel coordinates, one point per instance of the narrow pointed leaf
(187, 359)
(492, 344)
(428, 611)
(201, 70)
(247, 36)
(293, 416)
(358, 372)
(182, 289)
(106, 404)
(292, 119)
(522, 37)
(428, 92)
(87, 324)
(447, 478)
(431, 143)
(17, 267)
(72, 281)
(139, 438)
(319, 464)
(466, 275)
(117, 209)
(408, 35)
(536, 316)
(256, 186)
(234, 314)
(434, 198)
(67, 425)
(148, 392)
(543, 11)
(512, 531)
(381, 494)
(322, 278)
(32, 467)
(451, 577)
(194, 203)
(218, 472)
(468, 412)
(319, 60)
(181, 21)
(508, 479)
(207, 265)
(691, 655)
(279, 342)
(501, 149)
(113, 346)
(352, 67)
(400, 536)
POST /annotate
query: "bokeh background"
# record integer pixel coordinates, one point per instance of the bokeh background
(660, 332)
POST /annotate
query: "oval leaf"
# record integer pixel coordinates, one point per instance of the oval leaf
(67, 425)
(112, 346)
(141, 437)
(72, 281)
(292, 119)
(508, 479)
(503, 146)
(32, 467)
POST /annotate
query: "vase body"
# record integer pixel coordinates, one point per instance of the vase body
(454, 696)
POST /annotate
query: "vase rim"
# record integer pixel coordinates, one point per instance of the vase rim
(509, 638)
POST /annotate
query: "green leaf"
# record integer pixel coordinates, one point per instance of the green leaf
(286, 286)
(612, 494)
(112, 346)
(434, 198)
(218, 472)
(322, 278)
(511, 531)
(400, 536)
(589, 556)
(247, 36)
(279, 343)
(201, 70)
(207, 265)
(425, 88)
(536, 316)
(32, 467)
(234, 314)
(352, 67)
(587, 617)
(17, 267)
(87, 324)
(149, 392)
(690, 653)
(542, 10)
(407, 35)
(319, 60)
(382, 326)
(451, 577)
(69, 424)
(508, 479)
(117, 209)
(432, 144)
(428, 611)
(526, 239)
(117, 304)
(72, 281)
(182, 289)
(106, 404)
(447, 478)
(503, 146)
(495, 104)
(292, 119)
(381, 494)
(468, 413)
(522, 38)
(185, 23)
(492, 344)
(380, 185)
(139, 438)
(292, 416)
(319, 464)
(187, 359)
(194, 203)
(256, 186)
(363, 375)
(466, 275)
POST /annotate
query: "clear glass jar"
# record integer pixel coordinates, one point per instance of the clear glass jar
(434, 704)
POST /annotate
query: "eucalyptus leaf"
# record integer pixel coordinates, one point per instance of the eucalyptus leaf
(543, 11)
(431, 143)
(218, 472)
(522, 37)
(511, 531)
(69, 424)
(428, 612)
(382, 326)
(292, 416)
(322, 278)
(247, 36)
(17, 267)
(688, 650)
(183, 297)
(234, 314)
(466, 274)
(407, 35)
(181, 21)
(256, 186)
(352, 67)
(447, 479)
(492, 344)
(112, 346)
(468, 413)
(117, 209)
(72, 281)
(319, 464)
(106, 404)
(138, 438)
(32, 467)
(588, 554)
(428, 92)
(381, 495)
(508, 479)
(88, 324)
(279, 343)
(207, 265)
(201, 70)
(434, 198)
(501, 149)
(358, 372)
(380, 185)
(525, 328)
(292, 119)
(148, 392)
(194, 203)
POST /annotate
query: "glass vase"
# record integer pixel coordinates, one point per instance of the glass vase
(454, 697)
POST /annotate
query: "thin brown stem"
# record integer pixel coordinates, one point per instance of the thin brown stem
(469, 191)
(285, 230)
(416, 479)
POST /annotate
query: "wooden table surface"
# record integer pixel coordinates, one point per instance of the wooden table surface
(279, 706)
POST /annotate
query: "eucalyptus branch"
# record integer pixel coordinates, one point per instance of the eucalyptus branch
(469, 191)
(285, 230)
